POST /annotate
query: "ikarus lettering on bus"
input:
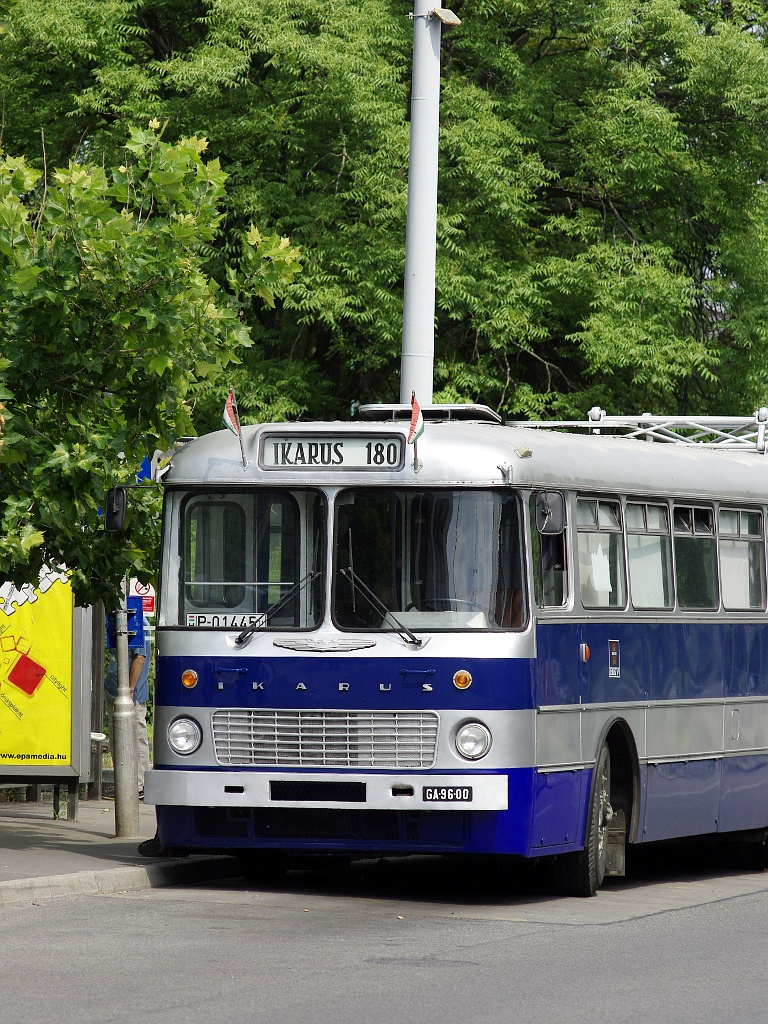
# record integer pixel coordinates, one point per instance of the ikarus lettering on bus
(334, 452)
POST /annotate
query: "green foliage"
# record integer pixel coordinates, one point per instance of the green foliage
(109, 321)
(602, 221)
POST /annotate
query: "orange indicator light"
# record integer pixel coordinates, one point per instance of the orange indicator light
(189, 678)
(462, 679)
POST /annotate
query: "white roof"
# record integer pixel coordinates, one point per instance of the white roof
(486, 454)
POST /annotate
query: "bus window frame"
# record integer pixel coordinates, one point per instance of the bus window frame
(398, 489)
(188, 559)
(614, 499)
(534, 536)
(696, 505)
(671, 503)
(740, 510)
(176, 523)
(645, 501)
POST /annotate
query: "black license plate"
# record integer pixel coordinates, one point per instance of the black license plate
(447, 794)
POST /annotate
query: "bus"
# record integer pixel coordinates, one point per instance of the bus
(523, 642)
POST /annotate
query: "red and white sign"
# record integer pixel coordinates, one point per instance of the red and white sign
(147, 594)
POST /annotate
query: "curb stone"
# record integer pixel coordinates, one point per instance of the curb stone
(173, 871)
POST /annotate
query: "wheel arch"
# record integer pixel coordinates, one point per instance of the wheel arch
(625, 772)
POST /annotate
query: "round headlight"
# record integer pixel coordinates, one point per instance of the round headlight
(184, 735)
(473, 741)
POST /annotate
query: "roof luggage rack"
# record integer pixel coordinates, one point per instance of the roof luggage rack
(457, 411)
(734, 433)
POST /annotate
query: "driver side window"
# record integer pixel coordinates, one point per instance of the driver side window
(550, 565)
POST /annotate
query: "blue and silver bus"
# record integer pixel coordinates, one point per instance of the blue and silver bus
(523, 642)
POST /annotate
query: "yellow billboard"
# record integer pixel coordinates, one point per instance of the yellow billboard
(36, 635)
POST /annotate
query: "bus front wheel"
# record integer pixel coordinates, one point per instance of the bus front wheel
(582, 873)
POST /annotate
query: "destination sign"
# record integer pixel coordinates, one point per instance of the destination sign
(332, 451)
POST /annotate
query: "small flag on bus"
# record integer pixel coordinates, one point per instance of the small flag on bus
(230, 418)
(231, 421)
(417, 421)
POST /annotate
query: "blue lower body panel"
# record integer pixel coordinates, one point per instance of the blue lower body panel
(743, 793)
(546, 815)
(683, 799)
(691, 798)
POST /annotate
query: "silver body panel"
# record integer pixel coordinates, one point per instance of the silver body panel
(549, 740)
(383, 791)
(327, 641)
(665, 731)
(513, 734)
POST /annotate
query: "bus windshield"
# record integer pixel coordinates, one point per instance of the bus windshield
(436, 559)
(252, 559)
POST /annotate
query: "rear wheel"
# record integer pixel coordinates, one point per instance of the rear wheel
(582, 873)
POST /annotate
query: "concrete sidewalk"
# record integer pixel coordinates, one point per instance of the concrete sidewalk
(41, 857)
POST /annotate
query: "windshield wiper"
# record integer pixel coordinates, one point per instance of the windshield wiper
(274, 608)
(379, 606)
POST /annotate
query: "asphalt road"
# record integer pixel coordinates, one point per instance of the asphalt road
(417, 941)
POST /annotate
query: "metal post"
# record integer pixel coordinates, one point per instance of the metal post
(97, 699)
(416, 368)
(124, 747)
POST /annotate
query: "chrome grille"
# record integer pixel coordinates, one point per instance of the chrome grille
(325, 739)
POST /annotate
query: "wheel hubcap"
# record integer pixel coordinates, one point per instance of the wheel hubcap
(605, 817)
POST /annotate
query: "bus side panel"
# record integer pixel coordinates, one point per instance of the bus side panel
(742, 660)
(683, 799)
(559, 812)
(705, 662)
(557, 664)
(686, 661)
(616, 669)
(744, 793)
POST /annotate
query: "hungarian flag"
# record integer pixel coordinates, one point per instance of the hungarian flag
(417, 421)
(229, 419)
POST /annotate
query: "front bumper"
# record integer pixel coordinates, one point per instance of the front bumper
(362, 791)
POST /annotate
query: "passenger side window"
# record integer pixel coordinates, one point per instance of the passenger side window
(695, 561)
(650, 556)
(601, 553)
(742, 559)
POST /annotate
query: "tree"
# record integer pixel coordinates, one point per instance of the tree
(108, 321)
(602, 221)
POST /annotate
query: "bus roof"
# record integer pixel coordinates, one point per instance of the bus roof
(459, 453)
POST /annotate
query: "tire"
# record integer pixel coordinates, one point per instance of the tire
(582, 873)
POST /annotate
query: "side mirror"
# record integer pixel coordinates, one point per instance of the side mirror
(114, 513)
(550, 512)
